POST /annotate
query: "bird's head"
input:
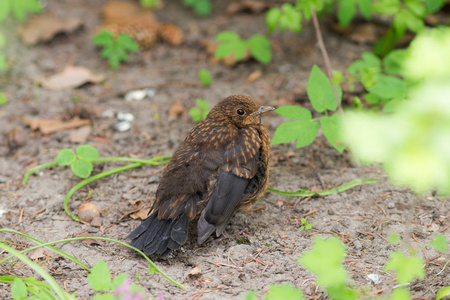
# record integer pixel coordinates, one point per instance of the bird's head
(240, 110)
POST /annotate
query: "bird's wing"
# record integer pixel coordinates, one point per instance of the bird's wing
(240, 166)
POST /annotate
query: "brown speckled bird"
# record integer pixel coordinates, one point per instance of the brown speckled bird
(222, 166)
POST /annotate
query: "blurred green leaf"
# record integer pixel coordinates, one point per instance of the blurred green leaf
(393, 62)
(19, 290)
(21, 8)
(386, 7)
(3, 62)
(442, 293)
(284, 292)
(290, 18)
(439, 243)
(303, 131)
(201, 7)
(400, 294)
(273, 16)
(325, 260)
(365, 7)
(100, 277)
(406, 268)
(394, 238)
(434, 5)
(115, 50)
(251, 295)
(3, 99)
(346, 12)
(149, 3)
(389, 87)
(205, 77)
(294, 112)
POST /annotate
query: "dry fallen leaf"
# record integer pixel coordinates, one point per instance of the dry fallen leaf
(250, 6)
(71, 77)
(47, 126)
(364, 34)
(253, 76)
(80, 135)
(114, 11)
(176, 109)
(43, 28)
(37, 253)
(141, 214)
(195, 272)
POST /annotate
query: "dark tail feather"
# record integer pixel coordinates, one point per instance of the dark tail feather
(160, 236)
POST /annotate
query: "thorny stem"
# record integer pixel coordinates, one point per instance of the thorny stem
(326, 58)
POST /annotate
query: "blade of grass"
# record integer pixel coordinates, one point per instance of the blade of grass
(339, 189)
(157, 161)
(151, 263)
(56, 250)
(44, 274)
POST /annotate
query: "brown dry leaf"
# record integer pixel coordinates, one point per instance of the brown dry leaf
(43, 28)
(143, 32)
(176, 109)
(195, 272)
(16, 139)
(364, 34)
(47, 126)
(252, 77)
(141, 214)
(37, 253)
(80, 135)
(249, 6)
(71, 77)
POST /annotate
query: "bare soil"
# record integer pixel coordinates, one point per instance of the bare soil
(268, 240)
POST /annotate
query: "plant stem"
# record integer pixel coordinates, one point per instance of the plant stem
(326, 58)
(35, 169)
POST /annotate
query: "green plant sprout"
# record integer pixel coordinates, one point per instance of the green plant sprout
(304, 129)
(3, 62)
(199, 112)
(306, 225)
(149, 3)
(379, 77)
(19, 8)
(115, 49)
(201, 7)
(205, 77)
(97, 277)
(278, 292)
(88, 154)
(3, 99)
(230, 43)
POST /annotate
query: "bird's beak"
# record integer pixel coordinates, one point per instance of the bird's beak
(263, 109)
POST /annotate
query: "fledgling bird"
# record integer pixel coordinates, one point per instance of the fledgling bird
(221, 166)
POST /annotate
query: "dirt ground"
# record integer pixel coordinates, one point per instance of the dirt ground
(362, 217)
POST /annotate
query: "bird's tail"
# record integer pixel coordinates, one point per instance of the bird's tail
(160, 236)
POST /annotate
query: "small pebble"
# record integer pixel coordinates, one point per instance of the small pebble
(391, 205)
(330, 211)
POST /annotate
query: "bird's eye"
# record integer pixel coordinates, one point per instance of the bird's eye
(240, 111)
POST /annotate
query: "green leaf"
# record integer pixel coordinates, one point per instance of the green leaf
(21, 8)
(294, 112)
(389, 87)
(259, 47)
(87, 152)
(205, 77)
(439, 243)
(100, 277)
(119, 280)
(320, 91)
(365, 7)
(303, 131)
(3, 99)
(203, 104)
(127, 43)
(394, 238)
(434, 5)
(2, 40)
(346, 12)
(19, 289)
(3, 62)
(331, 127)
(201, 7)
(442, 293)
(103, 38)
(103, 297)
(284, 292)
(4, 10)
(290, 18)
(65, 157)
(393, 62)
(149, 3)
(227, 36)
(82, 168)
(417, 8)
(273, 16)
(400, 294)
(325, 260)
(386, 7)
(251, 295)
(406, 268)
